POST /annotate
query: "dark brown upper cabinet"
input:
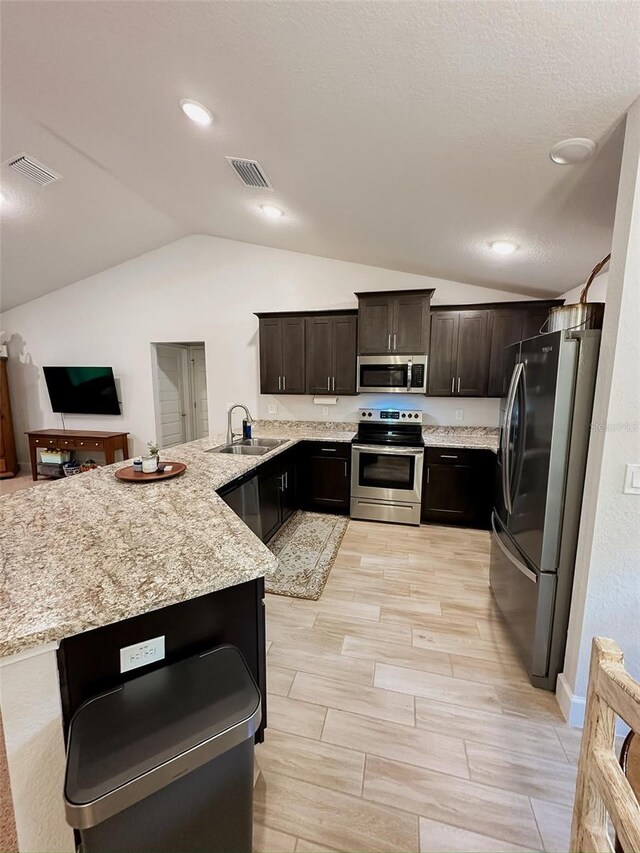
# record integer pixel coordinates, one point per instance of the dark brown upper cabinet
(282, 355)
(459, 353)
(331, 353)
(394, 322)
(510, 324)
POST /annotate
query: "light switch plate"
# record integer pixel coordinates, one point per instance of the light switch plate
(273, 408)
(632, 480)
(141, 654)
(459, 414)
(325, 411)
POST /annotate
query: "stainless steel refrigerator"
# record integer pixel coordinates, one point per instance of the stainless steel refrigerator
(544, 437)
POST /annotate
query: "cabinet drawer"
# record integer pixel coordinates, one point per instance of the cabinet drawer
(89, 444)
(450, 456)
(330, 449)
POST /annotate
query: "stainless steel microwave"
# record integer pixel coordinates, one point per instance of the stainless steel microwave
(392, 374)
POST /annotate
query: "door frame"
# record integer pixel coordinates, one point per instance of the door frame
(188, 384)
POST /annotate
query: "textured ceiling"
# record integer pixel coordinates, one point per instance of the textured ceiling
(403, 135)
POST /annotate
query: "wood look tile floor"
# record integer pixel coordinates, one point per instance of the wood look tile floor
(400, 717)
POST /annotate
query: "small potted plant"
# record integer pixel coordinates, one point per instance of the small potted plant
(150, 461)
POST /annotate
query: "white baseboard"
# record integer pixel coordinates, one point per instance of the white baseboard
(572, 706)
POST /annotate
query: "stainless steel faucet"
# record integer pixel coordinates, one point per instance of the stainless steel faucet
(230, 432)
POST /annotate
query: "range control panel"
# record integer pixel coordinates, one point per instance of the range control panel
(390, 415)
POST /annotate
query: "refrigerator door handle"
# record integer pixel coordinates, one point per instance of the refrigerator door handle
(506, 453)
(513, 560)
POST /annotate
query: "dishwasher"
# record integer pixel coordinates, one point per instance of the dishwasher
(243, 498)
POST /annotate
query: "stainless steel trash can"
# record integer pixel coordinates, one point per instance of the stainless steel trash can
(165, 761)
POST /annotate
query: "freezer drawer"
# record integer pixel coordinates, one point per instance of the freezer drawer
(526, 600)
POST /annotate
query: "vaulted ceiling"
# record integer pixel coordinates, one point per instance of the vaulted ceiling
(404, 135)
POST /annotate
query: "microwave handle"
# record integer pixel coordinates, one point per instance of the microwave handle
(409, 368)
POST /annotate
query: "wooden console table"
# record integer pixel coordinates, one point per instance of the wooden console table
(75, 439)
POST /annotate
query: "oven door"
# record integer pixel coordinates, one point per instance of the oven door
(384, 374)
(387, 473)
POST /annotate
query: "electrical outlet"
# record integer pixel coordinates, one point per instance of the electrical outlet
(459, 414)
(273, 408)
(325, 411)
(141, 654)
(632, 480)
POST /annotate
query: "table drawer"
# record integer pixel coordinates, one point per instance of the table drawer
(89, 444)
(450, 456)
(65, 443)
(46, 442)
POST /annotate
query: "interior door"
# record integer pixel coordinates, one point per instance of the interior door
(442, 352)
(199, 392)
(170, 377)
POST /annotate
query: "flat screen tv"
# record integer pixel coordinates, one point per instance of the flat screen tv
(82, 390)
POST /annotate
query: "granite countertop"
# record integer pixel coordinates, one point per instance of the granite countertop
(91, 550)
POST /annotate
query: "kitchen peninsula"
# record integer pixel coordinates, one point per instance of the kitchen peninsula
(92, 564)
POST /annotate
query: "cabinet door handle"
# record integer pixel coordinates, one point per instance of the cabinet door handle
(279, 383)
(333, 383)
(389, 342)
(284, 383)
(453, 384)
(394, 342)
(328, 383)
(329, 450)
(458, 384)
(427, 476)
(286, 479)
(445, 456)
(345, 470)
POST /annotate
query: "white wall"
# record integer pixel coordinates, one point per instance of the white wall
(201, 289)
(597, 291)
(606, 595)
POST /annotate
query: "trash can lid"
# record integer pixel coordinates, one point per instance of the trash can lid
(132, 741)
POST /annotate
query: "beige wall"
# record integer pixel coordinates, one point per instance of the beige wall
(606, 597)
(200, 289)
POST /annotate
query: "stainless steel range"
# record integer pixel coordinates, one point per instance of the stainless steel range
(387, 458)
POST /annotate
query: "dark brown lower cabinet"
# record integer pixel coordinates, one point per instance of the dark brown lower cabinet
(277, 491)
(458, 486)
(326, 475)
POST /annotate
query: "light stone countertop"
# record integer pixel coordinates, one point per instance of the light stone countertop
(91, 550)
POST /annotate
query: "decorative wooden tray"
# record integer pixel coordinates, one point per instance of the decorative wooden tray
(131, 476)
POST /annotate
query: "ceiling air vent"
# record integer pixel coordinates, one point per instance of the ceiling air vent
(250, 173)
(33, 170)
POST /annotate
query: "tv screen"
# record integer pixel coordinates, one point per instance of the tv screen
(82, 390)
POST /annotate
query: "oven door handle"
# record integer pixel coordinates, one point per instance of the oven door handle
(384, 449)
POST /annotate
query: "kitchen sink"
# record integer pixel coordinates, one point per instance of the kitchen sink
(241, 449)
(249, 446)
(262, 442)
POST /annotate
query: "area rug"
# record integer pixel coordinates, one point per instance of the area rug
(306, 548)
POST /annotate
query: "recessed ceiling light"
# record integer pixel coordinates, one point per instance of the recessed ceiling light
(271, 211)
(196, 112)
(569, 152)
(503, 247)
